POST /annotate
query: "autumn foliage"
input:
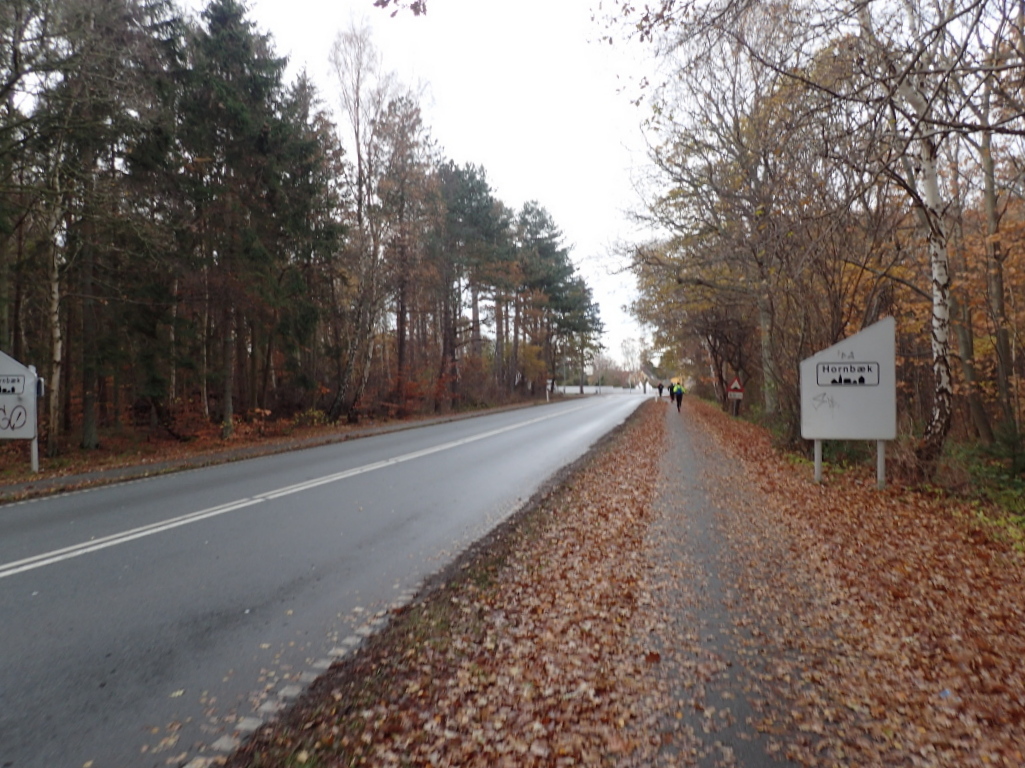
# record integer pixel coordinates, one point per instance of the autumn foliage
(818, 168)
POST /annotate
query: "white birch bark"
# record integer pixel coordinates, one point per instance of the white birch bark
(53, 274)
(943, 392)
(929, 206)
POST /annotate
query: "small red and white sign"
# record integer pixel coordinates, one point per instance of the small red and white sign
(736, 390)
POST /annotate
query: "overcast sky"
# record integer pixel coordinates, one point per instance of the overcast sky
(523, 88)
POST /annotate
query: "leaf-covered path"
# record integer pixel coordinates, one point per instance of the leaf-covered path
(690, 598)
(716, 567)
(882, 628)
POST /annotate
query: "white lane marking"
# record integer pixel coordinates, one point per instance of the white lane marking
(95, 545)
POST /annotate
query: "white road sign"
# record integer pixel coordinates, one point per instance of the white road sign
(849, 391)
(17, 400)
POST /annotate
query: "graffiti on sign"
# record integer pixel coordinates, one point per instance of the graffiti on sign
(18, 399)
(13, 420)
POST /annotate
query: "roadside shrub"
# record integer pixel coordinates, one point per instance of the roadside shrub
(312, 417)
(1008, 449)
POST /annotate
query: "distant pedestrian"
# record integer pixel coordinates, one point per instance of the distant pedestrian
(678, 392)
(660, 389)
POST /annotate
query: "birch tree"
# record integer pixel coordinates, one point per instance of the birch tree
(364, 90)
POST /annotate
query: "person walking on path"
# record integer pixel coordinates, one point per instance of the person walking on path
(678, 393)
(660, 390)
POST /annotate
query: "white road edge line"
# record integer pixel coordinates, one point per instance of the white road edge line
(95, 545)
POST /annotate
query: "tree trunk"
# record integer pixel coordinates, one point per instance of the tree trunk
(500, 326)
(769, 378)
(90, 328)
(17, 328)
(453, 358)
(352, 414)
(5, 293)
(207, 335)
(343, 371)
(931, 446)
(401, 331)
(116, 398)
(56, 340)
(995, 282)
(267, 377)
(228, 372)
(582, 361)
(363, 346)
(172, 379)
(70, 322)
(347, 366)
(514, 362)
(966, 347)
(247, 349)
(90, 377)
(447, 342)
(475, 337)
(929, 209)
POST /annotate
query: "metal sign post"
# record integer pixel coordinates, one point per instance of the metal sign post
(19, 387)
(849, 392)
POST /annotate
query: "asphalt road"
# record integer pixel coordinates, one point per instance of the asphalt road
(155, 622)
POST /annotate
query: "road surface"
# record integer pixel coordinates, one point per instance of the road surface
(155, 622)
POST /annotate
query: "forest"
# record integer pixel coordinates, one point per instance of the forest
(189, 239)
(817, 166)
